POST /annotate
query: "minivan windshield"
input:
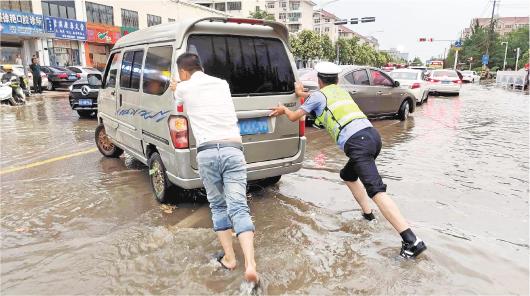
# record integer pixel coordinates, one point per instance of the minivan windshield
(250, 65)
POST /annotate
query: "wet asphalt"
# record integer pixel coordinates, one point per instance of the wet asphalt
(74, 222)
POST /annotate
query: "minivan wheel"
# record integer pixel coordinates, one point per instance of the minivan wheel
(105, 145)
(404, 111)
(50, 86)
(158, 177)
(270, 181)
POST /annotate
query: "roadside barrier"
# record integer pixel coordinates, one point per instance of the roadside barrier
(511, 79)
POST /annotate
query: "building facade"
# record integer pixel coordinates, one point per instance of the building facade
(324, 23)
(295, 14)
(503, 25)
(68, 32)
(393, 52)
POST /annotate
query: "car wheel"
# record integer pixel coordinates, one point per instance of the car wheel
(404, 111)
(270, 181)
(105, 145)
(50, 86)
(160, 184)
(85, 113)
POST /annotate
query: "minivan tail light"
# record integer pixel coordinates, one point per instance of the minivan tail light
(415, 85)
(245, 21)
(178, 129)
(301, 123)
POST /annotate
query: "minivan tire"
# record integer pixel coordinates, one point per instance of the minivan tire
(404, 111)
(50, 86)
(105, 145)
(160, 183)
(270, 181)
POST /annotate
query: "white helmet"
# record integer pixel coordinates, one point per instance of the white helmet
(327, 68)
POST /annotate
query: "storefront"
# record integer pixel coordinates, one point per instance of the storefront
(64, 46)
(20, 34)
(100, 39)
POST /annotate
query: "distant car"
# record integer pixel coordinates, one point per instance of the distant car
(82, 72)
(374, 91)
(470, 76)
(413, 80)
(444, 81)
(388, 69)
(84, 95)
(59, 77)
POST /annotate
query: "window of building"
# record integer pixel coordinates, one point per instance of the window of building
(220, 6)
(294, 5)
(294, 28)
(317, 21)
(282, 16)
(326, 29)
(129, 18)
(157, 70)
(98, 13)
(18, 5)
(508, 26)
(131, 68)
(112, 71)
(270, 5)
(234, 5)
(153, 20)
(171, 20)
(283, 4)
(294, 16)
(62, 9)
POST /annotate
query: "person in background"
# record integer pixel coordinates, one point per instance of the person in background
(222, 165)
(35, 71)
(18, 60)
(351, 130)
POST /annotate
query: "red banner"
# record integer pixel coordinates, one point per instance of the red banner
(102, 34)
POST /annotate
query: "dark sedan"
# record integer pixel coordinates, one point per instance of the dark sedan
(59, 77)
(84, 95)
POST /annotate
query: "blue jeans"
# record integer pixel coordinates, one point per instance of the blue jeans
(224, 175)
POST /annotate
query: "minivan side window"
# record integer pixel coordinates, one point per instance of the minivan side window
(111, 72)
(157, 70)
(250, 65)
(131, 67)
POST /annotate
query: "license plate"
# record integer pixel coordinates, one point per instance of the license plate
(446, 82)
(72, 77)
(85, 102)
(254, 126)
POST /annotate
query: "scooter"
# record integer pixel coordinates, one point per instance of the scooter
(11, 93)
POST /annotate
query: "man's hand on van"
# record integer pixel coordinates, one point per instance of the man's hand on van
(277, 111)
(173, 84)
(292, 115)
(299, 90)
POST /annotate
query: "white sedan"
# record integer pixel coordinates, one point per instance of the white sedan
(82, 72)
(445, 81)
(470, 76)
(413, 80)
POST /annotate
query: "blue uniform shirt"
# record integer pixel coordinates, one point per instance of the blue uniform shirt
(316, 103)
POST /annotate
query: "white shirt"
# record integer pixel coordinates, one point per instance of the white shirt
(210, 109)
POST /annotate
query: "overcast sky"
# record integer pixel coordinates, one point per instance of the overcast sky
(400, 23)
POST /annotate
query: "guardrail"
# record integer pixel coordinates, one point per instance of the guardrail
(511, 79)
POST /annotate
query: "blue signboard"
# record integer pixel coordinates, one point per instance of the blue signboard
(20, 23)
(458, 43)
(485, 59)
(65, 28)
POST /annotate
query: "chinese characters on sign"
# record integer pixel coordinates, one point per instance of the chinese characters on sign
(20, 23)
(66, 28)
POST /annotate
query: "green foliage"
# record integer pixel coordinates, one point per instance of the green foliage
(305, 45)
(262, 15)
(327, 50)
(524, 59)
(417, 62)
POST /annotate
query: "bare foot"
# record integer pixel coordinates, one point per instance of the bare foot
(251, 275)
(228, 264)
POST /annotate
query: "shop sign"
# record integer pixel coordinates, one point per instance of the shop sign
(65, 28)
(127, 30)
(20, 23)
(103, 34)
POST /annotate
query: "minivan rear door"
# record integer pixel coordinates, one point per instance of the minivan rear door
(260, 75)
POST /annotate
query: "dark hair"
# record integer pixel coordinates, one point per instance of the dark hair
(189, 62)
(328, 79)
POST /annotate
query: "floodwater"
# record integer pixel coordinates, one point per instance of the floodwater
(458, 169)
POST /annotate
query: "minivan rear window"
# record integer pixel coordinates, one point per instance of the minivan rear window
(251, 65)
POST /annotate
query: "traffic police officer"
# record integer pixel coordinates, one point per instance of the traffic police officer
(352, 131)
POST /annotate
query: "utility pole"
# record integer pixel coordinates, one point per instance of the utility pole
(490, 33)
(517, 58)
(456, 59)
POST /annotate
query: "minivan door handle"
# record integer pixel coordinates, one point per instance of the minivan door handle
(113, 93)
(253, 113)
(121, 100)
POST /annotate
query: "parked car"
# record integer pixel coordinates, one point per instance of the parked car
(82, 72)
(84, 95)
(25, 82)
(138, 113)
(414, 80)
(43, 76)
(373, 90)
(444, 81)
(470, 76)
(59, 77)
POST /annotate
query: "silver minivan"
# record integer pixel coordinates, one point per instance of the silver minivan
(138, 113)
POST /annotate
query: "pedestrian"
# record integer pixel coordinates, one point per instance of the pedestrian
(222, 165)
(18, 60)
(355, 135)
(35, 71)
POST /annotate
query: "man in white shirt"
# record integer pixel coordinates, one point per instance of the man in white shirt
(208, 103)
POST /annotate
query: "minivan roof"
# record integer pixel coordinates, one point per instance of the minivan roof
(176, 31)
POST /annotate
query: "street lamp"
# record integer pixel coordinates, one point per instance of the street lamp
(517, 58)
(505, 52)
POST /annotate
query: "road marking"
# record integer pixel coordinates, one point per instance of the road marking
(46, 161)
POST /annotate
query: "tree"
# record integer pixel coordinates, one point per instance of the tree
(327, 51)
(262, 15)
(416, 62)
(305, 45)
(346, 49)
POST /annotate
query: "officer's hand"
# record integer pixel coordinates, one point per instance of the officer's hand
(277, 111)
(173, 84)
(298, 88)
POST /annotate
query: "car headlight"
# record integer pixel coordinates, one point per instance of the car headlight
(70, 87)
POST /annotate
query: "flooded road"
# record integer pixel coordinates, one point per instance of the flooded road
(73, 222)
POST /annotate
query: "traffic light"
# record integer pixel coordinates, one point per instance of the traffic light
(368, 19)
(341, 22)
(354, 21)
